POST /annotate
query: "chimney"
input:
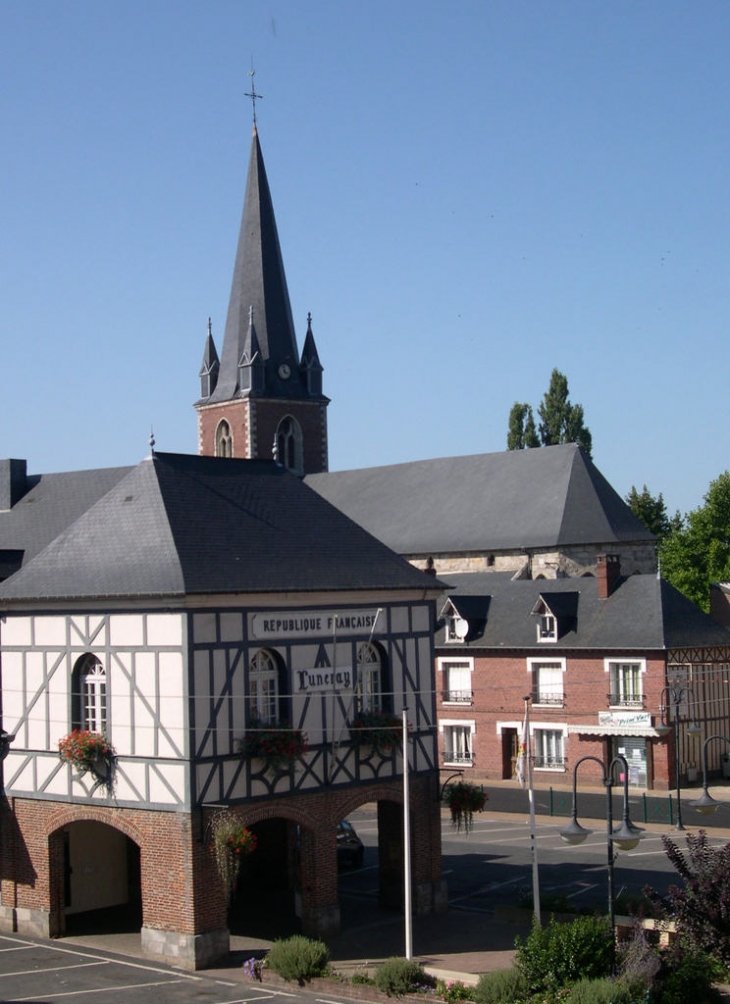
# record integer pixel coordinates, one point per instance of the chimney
(608, 572)
(13, 482)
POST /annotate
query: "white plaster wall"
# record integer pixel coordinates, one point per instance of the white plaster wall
(49, 632)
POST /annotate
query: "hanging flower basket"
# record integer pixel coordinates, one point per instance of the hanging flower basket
(463, 800)
(230, 843)
(376, 729)
(90, 753)
(277, 743)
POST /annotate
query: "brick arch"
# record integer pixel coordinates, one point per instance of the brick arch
(68, 814)
(250, 815)
(376, 793)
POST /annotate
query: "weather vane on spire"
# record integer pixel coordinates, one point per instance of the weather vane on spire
(252, 94)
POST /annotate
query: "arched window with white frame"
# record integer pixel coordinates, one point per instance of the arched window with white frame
(263, 687)
(371, 678)
(89, 695)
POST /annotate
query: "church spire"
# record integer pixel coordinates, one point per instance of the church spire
(262, 389)
(259, 282)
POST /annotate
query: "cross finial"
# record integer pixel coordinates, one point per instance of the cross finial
(252, 94)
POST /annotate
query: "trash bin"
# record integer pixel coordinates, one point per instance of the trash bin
(726, 764)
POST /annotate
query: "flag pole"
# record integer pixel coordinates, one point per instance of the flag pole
(527, 743)
(407, 900)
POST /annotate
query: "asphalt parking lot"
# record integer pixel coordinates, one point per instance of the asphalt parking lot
(41, 972)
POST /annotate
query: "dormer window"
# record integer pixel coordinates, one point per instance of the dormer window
(464, 618)
(547, 628)
(556, 614)
(456, 628)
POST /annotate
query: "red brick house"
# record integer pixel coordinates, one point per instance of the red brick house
(601, 658)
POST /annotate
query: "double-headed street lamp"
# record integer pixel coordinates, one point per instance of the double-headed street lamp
(706, 804)
(625, 837)
(672, 721)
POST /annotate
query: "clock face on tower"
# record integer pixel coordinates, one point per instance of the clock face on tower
(284, 371)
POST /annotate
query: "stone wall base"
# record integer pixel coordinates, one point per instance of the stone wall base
(21, 920)
(189, 951)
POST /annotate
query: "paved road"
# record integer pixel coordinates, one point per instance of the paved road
(490, 869)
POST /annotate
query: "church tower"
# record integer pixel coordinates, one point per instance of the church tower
(261, 399)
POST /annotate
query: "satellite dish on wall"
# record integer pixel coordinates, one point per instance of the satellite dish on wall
(461, 628)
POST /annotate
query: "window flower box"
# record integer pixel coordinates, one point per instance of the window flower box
(90, 753)
(277, 743)
(377, 730)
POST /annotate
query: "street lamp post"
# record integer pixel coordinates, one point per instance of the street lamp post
(706, 804)
(625, 837)
(676, 694)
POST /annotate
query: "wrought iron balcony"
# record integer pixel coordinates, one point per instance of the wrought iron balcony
(626, 700)
(456, 696)
(452, 757)
(550, 762)
(556, 700)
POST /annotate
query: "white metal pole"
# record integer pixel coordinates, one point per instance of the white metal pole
(531, 793)
(407, 905)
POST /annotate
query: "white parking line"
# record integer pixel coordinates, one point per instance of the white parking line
(58, 969)
(99, 990)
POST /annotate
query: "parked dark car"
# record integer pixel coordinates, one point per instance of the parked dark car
(350, 850)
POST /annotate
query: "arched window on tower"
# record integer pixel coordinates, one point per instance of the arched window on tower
(371, 679)
(89, 695)
(289, 449)
(223, 440)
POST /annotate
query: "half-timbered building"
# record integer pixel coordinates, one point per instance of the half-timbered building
(198, 603)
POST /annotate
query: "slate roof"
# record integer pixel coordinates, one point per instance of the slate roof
(49, 505)
(546, 497)
(178, 524)
(643, 613)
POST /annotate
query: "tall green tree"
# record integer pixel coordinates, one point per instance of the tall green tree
(521, 434)
(698, 552)
(652, 512)
(560, 420)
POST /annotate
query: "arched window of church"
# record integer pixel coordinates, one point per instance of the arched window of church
(371, 694)
(89, 695)
(289, 451)
(223, 440)
(263, 686)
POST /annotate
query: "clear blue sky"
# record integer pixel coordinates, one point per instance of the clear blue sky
(468, 193)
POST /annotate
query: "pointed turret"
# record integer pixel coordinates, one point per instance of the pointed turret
(251, 364)
(310, 366)
(210, 366)
(261, 390)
